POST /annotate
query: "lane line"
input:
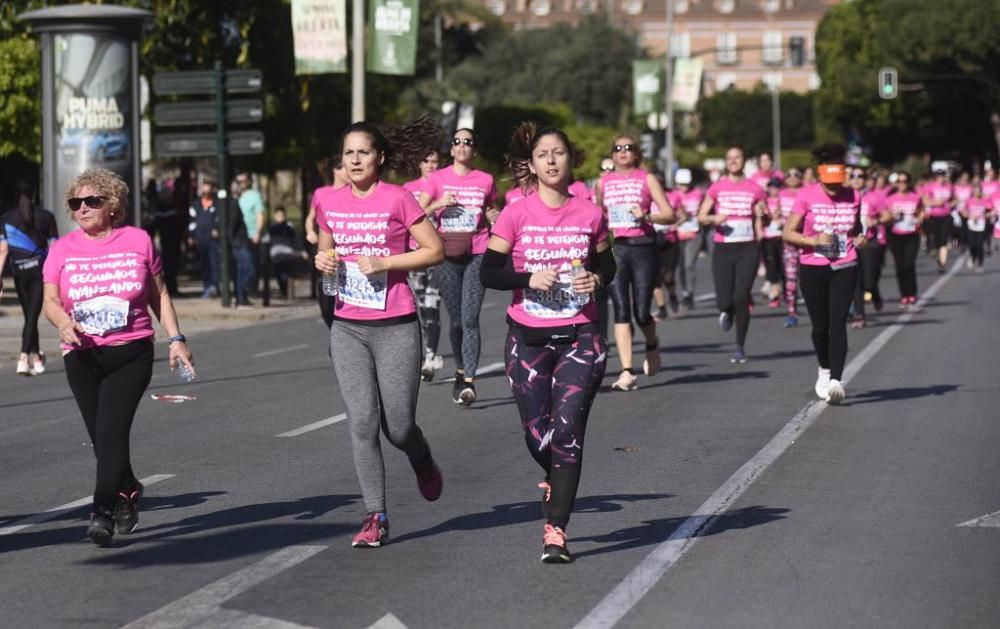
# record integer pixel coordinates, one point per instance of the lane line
(490, 368)
(51, 514)
(275, 352)
(388, 621)
(705, 297)
(201, 607)
(323, 423)
(655, 565)
(990, 520)
(232, 619)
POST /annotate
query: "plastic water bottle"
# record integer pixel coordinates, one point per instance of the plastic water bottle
(576, 269)
(329, 281)
(185, 373)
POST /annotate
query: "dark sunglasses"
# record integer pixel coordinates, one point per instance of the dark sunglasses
(465, 141)
(794, 173)
(619, 148)
(94, 202)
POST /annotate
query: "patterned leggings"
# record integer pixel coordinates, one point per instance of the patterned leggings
(425, 289)
(463, 293)
(791, 258)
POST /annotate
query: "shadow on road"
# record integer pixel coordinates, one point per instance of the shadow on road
(902, 393)
(655, 531)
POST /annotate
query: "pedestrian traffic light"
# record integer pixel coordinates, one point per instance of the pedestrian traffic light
(888, 83)
(797, 51)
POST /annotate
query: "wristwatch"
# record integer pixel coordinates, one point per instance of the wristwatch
(175, 339)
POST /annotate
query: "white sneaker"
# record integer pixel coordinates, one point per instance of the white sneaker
(39, 365)
(835, 393)
(438, 362)
(725, 321)
(625, 382)
(23, 369)
(822, 383)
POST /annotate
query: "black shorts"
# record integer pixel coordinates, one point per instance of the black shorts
(938, 230)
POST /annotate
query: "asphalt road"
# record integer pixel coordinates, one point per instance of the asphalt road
(716, 495)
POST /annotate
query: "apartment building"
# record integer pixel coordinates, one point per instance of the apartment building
(741, 43)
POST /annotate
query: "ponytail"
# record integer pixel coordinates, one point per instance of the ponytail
(523, 143)
(403, 147)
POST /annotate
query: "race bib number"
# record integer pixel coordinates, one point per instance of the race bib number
(360, 290)
(660, 228)
(457, 218)
(737, 230)
(836, 249)
(561, 302)
(773, 230)
(690, 226)
(977, 224)
(906, 224)
(101, 315)
(620, 216)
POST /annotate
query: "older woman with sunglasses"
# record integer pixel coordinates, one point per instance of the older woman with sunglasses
(101, 282)
(626, 194)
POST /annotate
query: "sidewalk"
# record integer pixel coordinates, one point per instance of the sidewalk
(195, 314)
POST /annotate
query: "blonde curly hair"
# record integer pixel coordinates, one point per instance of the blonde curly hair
(106, 183)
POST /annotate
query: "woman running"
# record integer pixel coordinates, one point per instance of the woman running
(735, 207)
(870, 254)
(101, 282)
(825, 224)
(771, 244)
(375, 336)
(25, 235)
(940, 200)
(555, 354)
(790, 253)
(626, 194)
(424, 282)
(766, 171)
(690, 235)
(463, 200)
(976, 213)
(904, 213)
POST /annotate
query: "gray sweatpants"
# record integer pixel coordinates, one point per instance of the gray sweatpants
(378, 370)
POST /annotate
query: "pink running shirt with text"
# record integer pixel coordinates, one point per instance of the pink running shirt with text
(836, 215)
(620, 192)
(474, 192)
(735, 199)
(939, 197)
(903, 206)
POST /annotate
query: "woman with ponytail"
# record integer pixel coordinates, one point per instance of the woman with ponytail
(375, 337)
(555, 354)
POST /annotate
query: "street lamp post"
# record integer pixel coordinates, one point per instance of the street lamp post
(358, 61)
(668, 166)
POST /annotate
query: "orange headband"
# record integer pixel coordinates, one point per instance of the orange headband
(832, 173)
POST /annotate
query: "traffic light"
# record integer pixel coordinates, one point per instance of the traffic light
(888, 83)
(797, 51)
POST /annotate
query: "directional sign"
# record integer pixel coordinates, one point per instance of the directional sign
(199, 144)
(203, 112)
(203, 82)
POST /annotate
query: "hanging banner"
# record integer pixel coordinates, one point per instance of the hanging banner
(393, 28)
(319, 33)
(687, 83)
(647, 86)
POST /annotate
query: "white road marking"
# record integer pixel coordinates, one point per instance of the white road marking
(275, 352)
(655, 565)
(388, 622)
(990, 520)
(490, 368)
(323, 423)
(51, 514)
(204, 607)
(705, 297)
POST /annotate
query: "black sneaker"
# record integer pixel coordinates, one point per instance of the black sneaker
(554, 546)
(468, 394)
(457, 387)
(674, 306)
(126, 515)
(102, 527)
(689, 302)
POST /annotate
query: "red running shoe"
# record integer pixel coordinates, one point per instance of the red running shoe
(374, 531)
(554, 550)
(429, 479)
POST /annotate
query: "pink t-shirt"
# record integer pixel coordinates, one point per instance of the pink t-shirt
(938, 196)
(989, 188)
(415, 187)
(764, 177)
(377, 225)
(903, 206)
(776, 219)
(978, 210)
(963, 192)
(836, 215)
(690, 201)
(105, 284)
(544, 237)
(620, 192)
(318, 195)
(872, 203)
(475, 193)
(735, 199)
(581, 190)
(513, 195)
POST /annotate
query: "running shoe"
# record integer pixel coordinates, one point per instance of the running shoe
(102, 527)
(554, 546)
(652, 362)
(968, 263)
(38, 365)
(468, 394)
(857, 323)
(457, 387)
(835, 392)
(674, 306)
(765, 288)
(626, 382)
(429, 479)
(23, 369)
(739, 357)
(688, 302)
(126, 513)
(822, 387)
(725, 321)
(774, 303)
(374, 532)
(878, 302)
(979, 270)
(427, 369)
(792, 321)
(660, 314)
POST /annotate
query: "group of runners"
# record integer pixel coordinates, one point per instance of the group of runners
(394, 253)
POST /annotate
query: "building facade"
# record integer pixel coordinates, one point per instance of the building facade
(742, 43)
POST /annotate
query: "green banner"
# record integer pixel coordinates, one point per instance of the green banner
(319, 33)
(392, 47)
(647, 86)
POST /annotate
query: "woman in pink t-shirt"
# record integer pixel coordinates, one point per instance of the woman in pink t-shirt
(627, 194)
(976, 214)
(464, 201)
(555, 354)
(101, 281)
(735, 207)
(939, 199)
(825, 223)
(790, 253)
(771, 244)
(903, 213)
(375, 336)
(332, 172)
(691, 236)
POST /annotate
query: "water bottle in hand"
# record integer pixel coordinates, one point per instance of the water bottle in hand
(576, 269)
(184, 373)
(329, 281)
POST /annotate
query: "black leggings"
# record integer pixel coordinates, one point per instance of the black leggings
(637, 274)
(772, 249)
(108, 383)
(28, 285)
(904, 252)
(870, 260)
(669, 254)
(977, 241)
(938, 230)
(828, 295)
(734, 265)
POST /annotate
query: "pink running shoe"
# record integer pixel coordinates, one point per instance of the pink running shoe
(374, 531)
(429, 480)
(554, 546)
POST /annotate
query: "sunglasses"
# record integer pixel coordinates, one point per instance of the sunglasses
(465, 141)
(794, 173)
(619, 148)
(94, 202)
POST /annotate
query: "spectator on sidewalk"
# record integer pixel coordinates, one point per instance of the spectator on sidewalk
(254, 217)
(203, 233)
(283, 251)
